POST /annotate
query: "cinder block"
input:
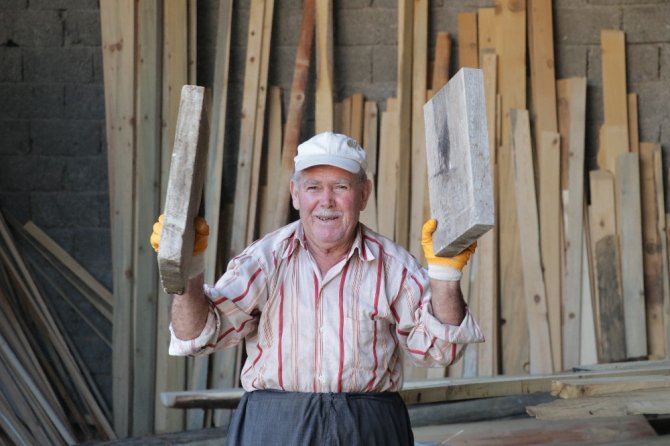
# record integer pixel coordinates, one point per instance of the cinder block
(82, 27)
(665, 61)
(646, 23)
(15, 137)
(35, 28)
(72, 65)
(73, 209)
(370, 26)
(642, 62)
(570, 61)
(27, 173)
(91, 244)
(10, 64)
(16, 204)
(457, 153)
(353, 64)
(83, 173)
(583, 25)
(384, 63)
(653, 100)
(64, 4)
(43, 101)
(85, 101)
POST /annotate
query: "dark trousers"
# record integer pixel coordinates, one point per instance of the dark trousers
(269, 417)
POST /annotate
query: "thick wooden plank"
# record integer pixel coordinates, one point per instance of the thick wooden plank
(531, 431)
(510, 46)
(403, 130)
(468, 48)
(371, 134)
(574, 235)
(610, 315)
(419, 180)
(630, 239)
(588, 349)
(486, 32)
(117, 19)
(653, 263)
(356, 117)
(577, 388)
(633, 124)
(184, 190)
(662, 233)
(541, 358)
(550, 228)
(323, 117)
(461, 195)
(295, 109)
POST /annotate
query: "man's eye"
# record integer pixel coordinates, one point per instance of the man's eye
(341, 187)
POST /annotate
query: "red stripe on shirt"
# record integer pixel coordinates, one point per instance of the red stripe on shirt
(316, 334)
(230, 330)
(374, 315)
(341, 328)
(281, 335)
(246, 291)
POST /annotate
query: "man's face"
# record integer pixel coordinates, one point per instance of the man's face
(329, 200)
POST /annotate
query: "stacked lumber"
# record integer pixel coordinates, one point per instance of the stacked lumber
(47, 394)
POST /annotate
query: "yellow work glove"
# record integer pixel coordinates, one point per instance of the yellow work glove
(443, 268)
(199, 244)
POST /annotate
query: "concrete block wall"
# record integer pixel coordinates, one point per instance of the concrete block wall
(53, 167)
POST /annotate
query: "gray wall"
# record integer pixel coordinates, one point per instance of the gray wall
(52, 142)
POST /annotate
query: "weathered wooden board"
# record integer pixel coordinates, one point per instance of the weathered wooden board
(324, 112)
(460, 188)
(577, 388)
(630, 239)
(468, 49)
(442, 60)
(184, 190)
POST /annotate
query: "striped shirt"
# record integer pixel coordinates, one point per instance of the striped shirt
(341, 332)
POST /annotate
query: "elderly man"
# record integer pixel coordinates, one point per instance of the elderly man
(325, 306)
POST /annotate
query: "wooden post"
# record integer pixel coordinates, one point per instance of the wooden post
(184, 190)
(461, 194)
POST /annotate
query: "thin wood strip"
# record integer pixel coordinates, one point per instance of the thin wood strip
(576, 97)
(550, 225)
(371, 134)
(388, 169)
(356, 117)
(588, 351)
(260, 122)
(403, 130)
(324, 113)
(633, 123)
(117, 20)
(665, 262)
(630, 238)
(273, 164)
(615, 101)
(295, 109)
(533, 282)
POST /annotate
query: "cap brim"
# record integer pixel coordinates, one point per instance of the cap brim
(302, 163)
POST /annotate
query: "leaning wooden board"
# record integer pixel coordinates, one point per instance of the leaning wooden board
(184, 190)
(457, 152)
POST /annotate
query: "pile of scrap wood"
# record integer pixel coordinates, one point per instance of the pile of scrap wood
(562, 280)
(47, 395)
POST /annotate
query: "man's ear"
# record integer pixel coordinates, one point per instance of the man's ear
(294, 195)
(366, 190)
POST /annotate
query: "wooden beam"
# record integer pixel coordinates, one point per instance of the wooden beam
(356, 117)
(486, 32)
(461, 194)
(633, 124)
(533, 281)
(184, 191)
(442, 61)
(389, 153)
(578, 388)
(273, 164)
(665, 261)
(630, 238)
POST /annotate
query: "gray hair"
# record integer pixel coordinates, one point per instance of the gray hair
(362, 176)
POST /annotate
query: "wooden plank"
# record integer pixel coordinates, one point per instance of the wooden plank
(259, 130)
(665, 261)
(370, 136)
(588, 351)
(541, 357)
(461, 195)
(653, 264)
(117, 20)
(578, 388)
(614, 134)
(486, 32)
(542, 73)
(344, 115)
(630, 238)
(356, 117)
(576, 95)
(530, 431)
(323, 117)
(442, 60)
(633, 123)
(296, 104)
(184, 190)
(640, 402)
(511, 49)
(273, 164)
(604, 243)
(389, 153)
(403, 130)
(251, 98)
(468, 48)
(550, 241)
(419, 179)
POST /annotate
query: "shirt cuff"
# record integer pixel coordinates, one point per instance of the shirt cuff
(180, 347)
(465, 333)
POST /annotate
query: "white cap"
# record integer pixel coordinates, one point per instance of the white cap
(333, 149)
